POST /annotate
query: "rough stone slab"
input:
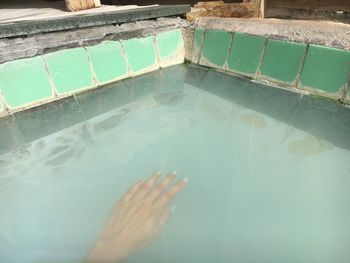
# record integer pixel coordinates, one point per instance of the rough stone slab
(221, 9)
(88, 20)
(196, 13)
(325, 33)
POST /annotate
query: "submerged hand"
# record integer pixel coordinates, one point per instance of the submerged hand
(136, 218)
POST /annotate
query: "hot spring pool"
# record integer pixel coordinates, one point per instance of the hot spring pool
(269, 171)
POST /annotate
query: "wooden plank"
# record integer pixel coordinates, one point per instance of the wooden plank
(307, 14)
(333, 5)
(262, 9)
(77, 5)
(257, 4)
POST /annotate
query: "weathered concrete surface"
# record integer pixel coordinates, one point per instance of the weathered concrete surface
(16, 48)
(326, 33)
(196, 13)
(25, 28)
(187, 28)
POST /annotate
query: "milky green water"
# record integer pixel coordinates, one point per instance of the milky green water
(269, 173)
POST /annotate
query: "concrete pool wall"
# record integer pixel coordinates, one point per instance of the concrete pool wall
(291, 58)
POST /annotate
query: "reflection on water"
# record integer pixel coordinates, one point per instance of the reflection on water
(269, 177)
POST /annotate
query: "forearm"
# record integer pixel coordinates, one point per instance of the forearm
(103, 253)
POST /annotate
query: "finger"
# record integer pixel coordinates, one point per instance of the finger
(146, 186)
(131, 192)
(167, 196)
(162, 186)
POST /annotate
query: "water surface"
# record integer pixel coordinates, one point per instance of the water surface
(269, 171)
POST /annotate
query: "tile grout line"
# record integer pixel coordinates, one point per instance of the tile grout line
(192, 46)
(91, 67)
(125, 58)
(297, 80)
(122, 52)
(156, 49)
(233, 34)
(201, 45)
(346, 95)
(49, 77)
(3, 102)
(257, 74)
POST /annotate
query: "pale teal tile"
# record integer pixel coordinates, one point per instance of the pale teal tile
(141, 55)
(108, 61)
(69, 70)
(24, 81)
(170, 48)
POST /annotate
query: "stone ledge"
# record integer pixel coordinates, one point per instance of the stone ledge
(26, 28)
(39, 44)
(325, 33)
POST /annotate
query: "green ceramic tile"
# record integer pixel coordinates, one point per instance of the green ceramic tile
(141, 55)
(198, 36)
(169, 43)
(325, 68)
(69, 70)
(282, 60)
(215, 48)
(246, 53)
(108, 61)
(24, 81)
(197, 41)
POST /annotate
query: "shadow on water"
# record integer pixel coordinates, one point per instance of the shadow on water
(323, 118)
